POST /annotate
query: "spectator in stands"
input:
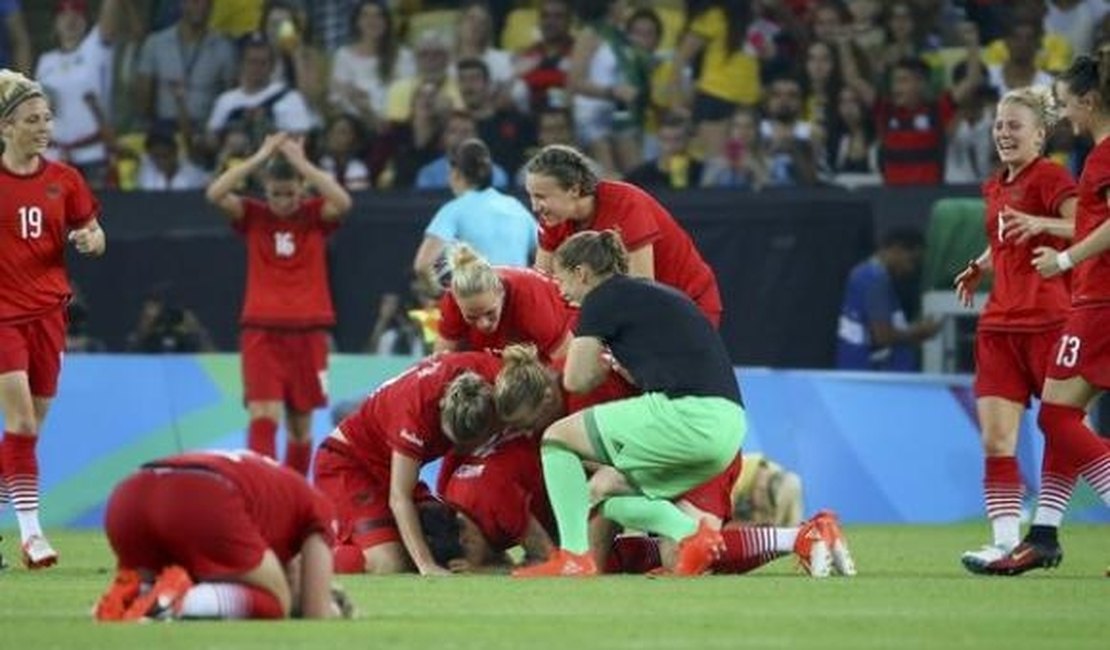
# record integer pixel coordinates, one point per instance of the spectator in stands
(394, 332)
(543, 66)
(331, 22)
(187, 58)
(364, 68)
(299, 63)
(162, 167)
(873, 333)
(553, 126)
(675, 168)
(496, 225)
(1023, 41)
(903, 39)
(77, 76)
(822, 84)
(508, 131)
(15, 41)
(344, 144)
(788, 137)
(475, 41)
(1076, 21)
(867, 33)
(610, 84)
(728, 75)
(258, 102)
(167, 328)
(78, 338)
(645, 32)
(436, 175)
(970, 146)
(743, 163)
(855, 152)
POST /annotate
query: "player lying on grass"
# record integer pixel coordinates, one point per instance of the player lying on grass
(218, 535)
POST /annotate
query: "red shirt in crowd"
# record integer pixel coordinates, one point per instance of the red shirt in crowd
(37, 211)
(1021, 299)
(287, 271)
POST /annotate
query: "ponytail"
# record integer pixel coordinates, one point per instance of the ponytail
(523, 382)
(471, 274)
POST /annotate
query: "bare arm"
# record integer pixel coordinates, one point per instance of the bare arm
(641, 262)
(578, 76)
(969, 34)
(22, 56)
(430, 250)
(404, 472)
(316, 576)
(537, 543)
(108, 21)
(851, 72)
(585, 369)
(221, 192)
(1047, 260)
(337, 202)
(543, 261)
(687, 49)
(884, 334)
(1022, 227)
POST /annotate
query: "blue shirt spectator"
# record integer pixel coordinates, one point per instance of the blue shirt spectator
(434, 176)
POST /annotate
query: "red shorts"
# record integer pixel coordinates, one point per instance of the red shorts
(1011, 365)
(36, 347)
(1083, 347)
(360, 494)
(288, 366)
(715, 495)
(190, 517)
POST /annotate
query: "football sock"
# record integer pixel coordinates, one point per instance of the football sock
(1057, 484)
(348, 558)
(261, 436)
(750, 547)
(649, 515)
(633, 554)
(298, 455)
(1003, 492)
(1082, 448)
(570, 496)
(230, 600)
(21, 472)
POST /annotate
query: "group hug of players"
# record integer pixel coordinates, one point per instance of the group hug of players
(582, 412)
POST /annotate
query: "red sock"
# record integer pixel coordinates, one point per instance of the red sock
(262, 437)
(4, 496)
(1066, 431)
(1057, 484)
(262, 604)
(633, 554)
(1002, 487)
(348, 558)
(21, 470)
(746, 548)
(298, 455)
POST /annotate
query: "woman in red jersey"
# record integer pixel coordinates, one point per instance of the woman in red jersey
(1030, 202)
(568, 197)
(44, 204)
(1079, 364)
(288, 307)
(217, 535)
(369, 467)
(490, 307)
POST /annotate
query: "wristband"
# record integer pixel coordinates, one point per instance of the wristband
(1063, 260)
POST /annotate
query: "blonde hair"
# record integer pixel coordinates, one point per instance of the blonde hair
(523, 381)
(467, 411)
(471, 274)
(603, 252)
(15, 88)
(1038, 99)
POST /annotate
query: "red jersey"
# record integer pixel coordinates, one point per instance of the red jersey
(281, 503)
(287, 269)
(911, 140)
(1091, 278)
(641, 220)
(533, 311)
(1021, 300)
(37, 211)
(402, 415)
(612, 389)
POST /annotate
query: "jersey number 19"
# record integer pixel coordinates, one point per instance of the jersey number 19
(30, 222)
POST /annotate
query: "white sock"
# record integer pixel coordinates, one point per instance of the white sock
(216, 600)
(29, 525)
(785, 538)
(1007, 530)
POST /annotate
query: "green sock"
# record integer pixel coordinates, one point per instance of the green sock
(650, 515)
(570, 496)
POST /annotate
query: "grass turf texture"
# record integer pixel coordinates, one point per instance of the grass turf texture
(911, 593)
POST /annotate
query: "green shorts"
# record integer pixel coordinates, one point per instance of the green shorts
(665, 446)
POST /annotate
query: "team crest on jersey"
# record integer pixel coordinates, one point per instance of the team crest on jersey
(53, 191)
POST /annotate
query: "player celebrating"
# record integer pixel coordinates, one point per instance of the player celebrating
(685, 429)
(1030, 202)
(490, 308)
(284, 342)
(369, 467)
(568, 197)
(1079, 366)
(44, 204)
(212, 535)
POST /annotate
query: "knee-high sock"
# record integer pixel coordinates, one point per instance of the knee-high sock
(21, 472)
(262, 436)
(570, 496)
(230, 600)
(750, 547)
(298, 455)
(1003, 492)
(1067, 433)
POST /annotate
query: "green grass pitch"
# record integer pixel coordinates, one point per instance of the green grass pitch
(911, 593)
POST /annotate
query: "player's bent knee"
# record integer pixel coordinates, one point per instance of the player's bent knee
(386, 559)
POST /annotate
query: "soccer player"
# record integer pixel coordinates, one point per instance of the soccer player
(369, 467)
(217, 535)
(568, 197)
(490, 307)
(685, 429)
(287, 308)
(1030, 202)
(1079, 365)
(44, 205)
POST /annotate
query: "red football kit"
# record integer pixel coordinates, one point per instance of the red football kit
(641, 220)
(37, 212)
(402, 416)
(533, 311)
(213, 513)
(1024, 312)
(287, 306)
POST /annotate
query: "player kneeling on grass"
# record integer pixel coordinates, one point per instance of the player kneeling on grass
(218, 535)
